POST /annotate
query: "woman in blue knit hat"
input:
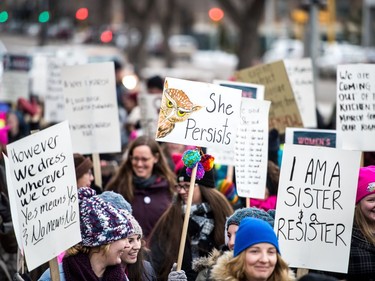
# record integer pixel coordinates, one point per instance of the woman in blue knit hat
(256, 256)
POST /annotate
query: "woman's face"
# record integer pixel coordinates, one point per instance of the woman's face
(231, 233)
(115, 251)
(367, 206)
(143, 161)
(130, 254)
(85, 180)
(183, 191)
(260, 261)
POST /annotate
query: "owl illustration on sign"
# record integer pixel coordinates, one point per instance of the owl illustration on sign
(175, 107)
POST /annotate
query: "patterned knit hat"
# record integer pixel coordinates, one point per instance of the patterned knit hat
(208, 179)
(82, 164)
(251, 212)
(137, 229)
(366, 183)
(254, 231)
(101, 222)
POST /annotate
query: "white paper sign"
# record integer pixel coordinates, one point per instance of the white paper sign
(150, 107)
(251, 149)
(43, 183)
(315, 206)
(91, 107)
(314, 137)
(200, 114)
(355, 107)
(302, 81)
(54, 99)
(15, 80)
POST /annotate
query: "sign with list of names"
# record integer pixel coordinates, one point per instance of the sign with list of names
(44, 193)
(197, 113)
(251, 149)
(355, 107)
(315, 206)
(91, 107)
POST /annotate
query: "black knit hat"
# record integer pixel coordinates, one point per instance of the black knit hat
(208, 179)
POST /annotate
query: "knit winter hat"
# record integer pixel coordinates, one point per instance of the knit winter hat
(251, 212)
(82, 164)
(137, 229)
(366, 182)
(253, 231)
(208, 179)
(101, 222)
(116, 200)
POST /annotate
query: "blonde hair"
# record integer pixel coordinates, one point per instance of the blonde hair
(79, 248)
(363, 225)
(236, 268)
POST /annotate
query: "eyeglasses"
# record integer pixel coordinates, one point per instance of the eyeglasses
(183, 186)
(137, 159)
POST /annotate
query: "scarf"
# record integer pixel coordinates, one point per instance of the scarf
(142, 182)
(78, 268)
(201, 225)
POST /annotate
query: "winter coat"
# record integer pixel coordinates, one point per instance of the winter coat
(220, 273)
(204, 265)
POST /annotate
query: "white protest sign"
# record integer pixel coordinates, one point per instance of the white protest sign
(249, 90)
(15, 80)
(150, 107)
(38, 75)
(42, 180)
(302, 81)
(315, 206)
(54, 98)
(197, 113)
(315, 137)
(355, 107)
(91, 107)
(251, 149)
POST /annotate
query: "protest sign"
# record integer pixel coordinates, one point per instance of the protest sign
(91, 107)
(54, 109)
(249, 90)
(315, 206)
(15, 80)
(197, 113)
(42, 180)
(251, 149)
(355, 107)
(302, 81)
(150, 106)
(315, 137)
(284, 110)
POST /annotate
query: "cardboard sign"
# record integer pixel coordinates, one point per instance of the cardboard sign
(15, 80)
(249, 90)
(200, 114)
(355, 107)
(150, 106)
(313, 137)
(42, 182)
(315, 206)
(302, 81)
(91, 107)
(251, 150)
(284, 110)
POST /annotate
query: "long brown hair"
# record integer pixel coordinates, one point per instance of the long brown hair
(167, 231)
(137, 271)
(122, 181)
(363, 225)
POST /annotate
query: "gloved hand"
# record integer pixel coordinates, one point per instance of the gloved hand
(176, 275)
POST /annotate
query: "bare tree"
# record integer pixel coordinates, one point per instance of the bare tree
(246, 16)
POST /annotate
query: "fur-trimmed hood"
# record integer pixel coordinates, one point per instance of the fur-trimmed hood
(220, 272)
(202, 263)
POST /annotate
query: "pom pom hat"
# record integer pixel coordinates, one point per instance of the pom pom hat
(253, 231)
(366, 182)
(208, 179)
(101, 222)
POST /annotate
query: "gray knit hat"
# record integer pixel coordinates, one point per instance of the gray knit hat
(251, 212)
(117, 200)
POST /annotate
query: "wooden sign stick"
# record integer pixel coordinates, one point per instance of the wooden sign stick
(186, 218)
(97, 169)
(301, 272)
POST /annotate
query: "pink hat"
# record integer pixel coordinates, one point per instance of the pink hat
(366, 182)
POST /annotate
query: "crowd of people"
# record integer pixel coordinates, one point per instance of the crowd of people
(131, 227)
